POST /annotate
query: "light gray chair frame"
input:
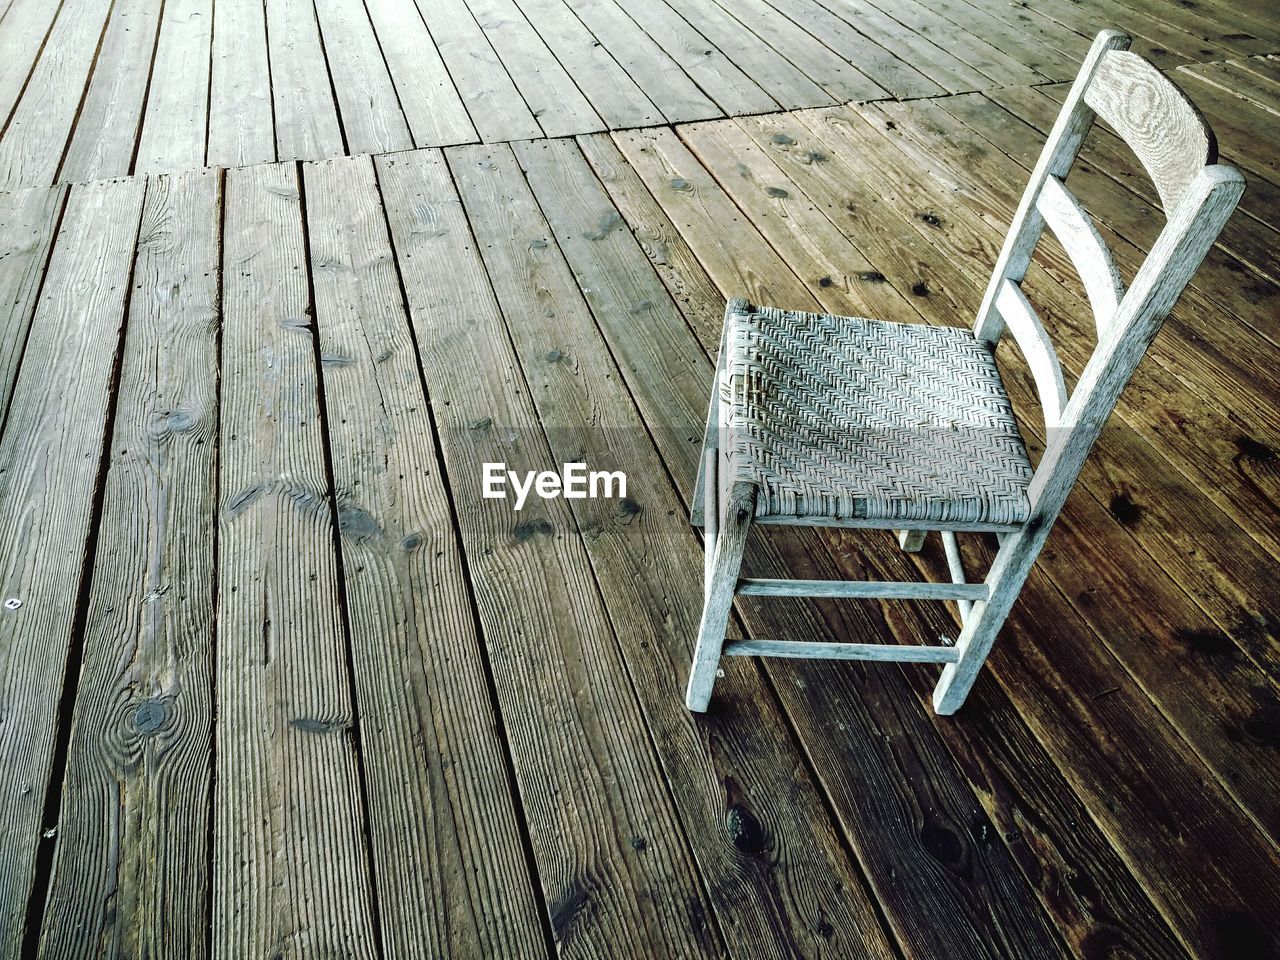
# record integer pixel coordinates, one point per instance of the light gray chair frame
(1167, 133)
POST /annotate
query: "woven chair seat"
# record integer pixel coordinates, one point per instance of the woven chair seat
(843, 418)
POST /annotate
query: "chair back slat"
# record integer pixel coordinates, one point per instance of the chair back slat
(1160, 125)
(1059, 154)
(1176, 255)
(1024, 323)
(1078, 235)
(1167, 133)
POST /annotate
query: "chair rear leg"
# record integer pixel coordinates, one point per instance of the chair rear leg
(1008, 573)
(720, 587)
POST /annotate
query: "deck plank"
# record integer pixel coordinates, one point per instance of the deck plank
(555, 99)
(372, 121)
(38, 129)
(241, 125)
(139, 764)
(432, 107)
(496, 107)
(647, 563)
(28, 219)
(442, 819)
(106, 133)
(615, 868)
(876, 59)
(672, 91)
(306, 116)
(176, 124)
(23, 32)
(616, 97)
(775, 74)
(49, 473)
(722, 79)
(289, 857)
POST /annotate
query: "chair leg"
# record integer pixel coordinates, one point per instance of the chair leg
(721, 584)
(1008, 573)
(911, 541)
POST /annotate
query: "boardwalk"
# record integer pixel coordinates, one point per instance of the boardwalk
(278, 681)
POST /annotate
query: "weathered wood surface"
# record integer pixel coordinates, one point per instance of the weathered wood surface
(443, 824)
(36, 132)
(139, 764)
(449, 705)
(286, 79)
(28, 220)
(613, 864)
(49, 472)
(176, 123)
(106, 132)
(289, 854)
(242, 128)
(758, 897)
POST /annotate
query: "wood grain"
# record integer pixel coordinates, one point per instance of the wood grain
(241, 126)
(372, 121)
(28, 219)
(496, 107)
(646, 563)
(130, 869)
(49, 471)
(176, 124)
(616, 872)
(1155, 119)
(306, 115)
(106, 132)
(431, 104)
(289, 857)
(443, 822)
(40, 125)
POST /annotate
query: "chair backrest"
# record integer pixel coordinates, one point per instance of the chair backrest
(1166, 132)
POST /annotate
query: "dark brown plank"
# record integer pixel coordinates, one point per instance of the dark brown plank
(1200, 541)
(289, 855)
(130, 870)
(445, 841)
(1203, 697)
(49, 470)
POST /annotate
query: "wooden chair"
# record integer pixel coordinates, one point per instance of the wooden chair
(841, 421)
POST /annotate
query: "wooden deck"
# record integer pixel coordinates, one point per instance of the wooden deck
(95, 89)
(276, 680)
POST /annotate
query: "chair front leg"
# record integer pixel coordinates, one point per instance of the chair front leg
(721, 584)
